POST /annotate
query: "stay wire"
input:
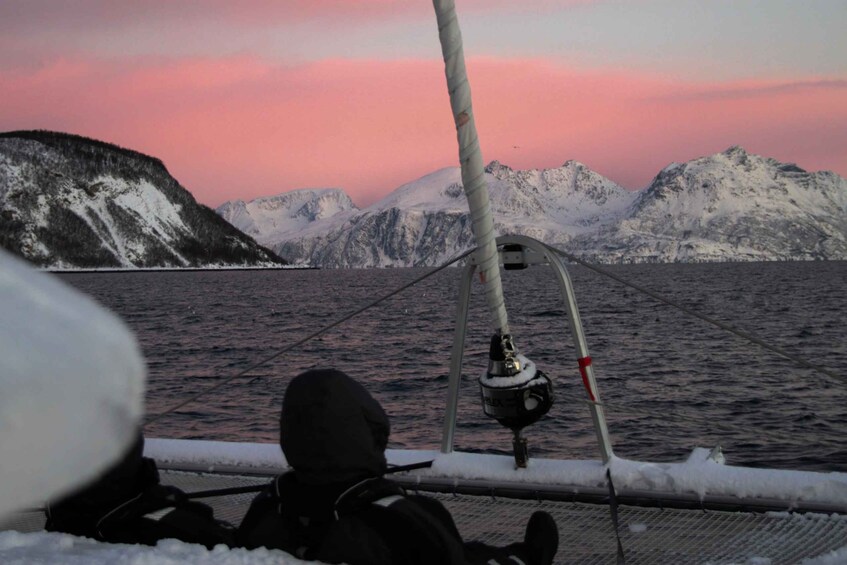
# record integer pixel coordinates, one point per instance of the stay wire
(717, 323)
(300, 342)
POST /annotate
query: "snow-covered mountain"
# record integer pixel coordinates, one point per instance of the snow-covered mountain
(426, 222)
(68, 201)
(277, 219)
(731, 206)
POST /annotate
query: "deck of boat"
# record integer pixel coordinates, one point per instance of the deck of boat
(648, 534)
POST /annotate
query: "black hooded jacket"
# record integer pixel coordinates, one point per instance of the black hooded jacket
(127, 504)
(335, 506)
(331, 430)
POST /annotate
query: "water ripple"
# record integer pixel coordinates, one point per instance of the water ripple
(671, 382)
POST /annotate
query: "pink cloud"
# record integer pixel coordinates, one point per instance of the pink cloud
(628, 126)
(92, 14)
(241, 127)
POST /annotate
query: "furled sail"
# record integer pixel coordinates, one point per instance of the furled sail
(470, 156)
(513, 391)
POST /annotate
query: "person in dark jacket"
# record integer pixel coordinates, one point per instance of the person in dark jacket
(335, 505)
(127, 504)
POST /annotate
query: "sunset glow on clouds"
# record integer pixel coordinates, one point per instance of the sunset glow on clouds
(242, 119)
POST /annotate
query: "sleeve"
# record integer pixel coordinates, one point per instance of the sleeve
(407, 531)
(262, 525)
(163, 513)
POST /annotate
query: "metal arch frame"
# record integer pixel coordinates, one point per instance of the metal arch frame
(532, 252)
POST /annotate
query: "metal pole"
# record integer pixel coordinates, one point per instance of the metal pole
(586, 368)
(541, 255)
(456, 357)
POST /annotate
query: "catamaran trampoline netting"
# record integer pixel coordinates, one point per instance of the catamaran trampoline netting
(648, 534)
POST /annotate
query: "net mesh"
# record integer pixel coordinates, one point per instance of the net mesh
(654, 535)
(586, 533)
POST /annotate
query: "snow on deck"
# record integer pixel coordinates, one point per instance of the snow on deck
(47, 548)
(699, 474)
(260, 457)
(649, 535)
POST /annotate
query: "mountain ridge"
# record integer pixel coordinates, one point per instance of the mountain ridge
(730, 206)
(69, 201)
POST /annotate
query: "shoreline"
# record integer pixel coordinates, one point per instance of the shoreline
(173, 269)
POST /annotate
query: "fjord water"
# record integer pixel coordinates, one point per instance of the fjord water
(670, 382)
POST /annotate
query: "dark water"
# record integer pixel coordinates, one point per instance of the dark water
(670, 382)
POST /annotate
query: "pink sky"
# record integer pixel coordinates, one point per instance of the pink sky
(247, 123)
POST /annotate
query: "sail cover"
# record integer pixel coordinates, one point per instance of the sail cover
(71, 386)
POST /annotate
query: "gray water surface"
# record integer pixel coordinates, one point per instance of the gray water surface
(670, 382)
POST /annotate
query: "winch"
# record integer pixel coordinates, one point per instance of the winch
(514, 392)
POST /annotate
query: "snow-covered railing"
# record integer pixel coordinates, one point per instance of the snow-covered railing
(701, 480)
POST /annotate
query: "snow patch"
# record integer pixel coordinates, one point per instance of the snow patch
(266, 456)
(48, 548)
(701, 473)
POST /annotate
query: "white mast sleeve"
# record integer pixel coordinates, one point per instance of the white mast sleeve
(470, 157)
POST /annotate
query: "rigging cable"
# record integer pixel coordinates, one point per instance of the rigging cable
(459, 257)
(717, 323)
(306, 339)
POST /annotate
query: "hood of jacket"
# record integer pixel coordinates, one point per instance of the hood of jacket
(331, 429)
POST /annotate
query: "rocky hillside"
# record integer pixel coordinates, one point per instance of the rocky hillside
(68, 201)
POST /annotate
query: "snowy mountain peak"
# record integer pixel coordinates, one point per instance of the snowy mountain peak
(731, 205)
(737, 155)
(735, 166)
(439, 190)
(735, 205)
(275, 218)
(573, 164)
(735, 152)
(497, 169)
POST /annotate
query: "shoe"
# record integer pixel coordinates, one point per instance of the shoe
(541, 539)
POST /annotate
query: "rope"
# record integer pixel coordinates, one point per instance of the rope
(717, 323)
(309, 337)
